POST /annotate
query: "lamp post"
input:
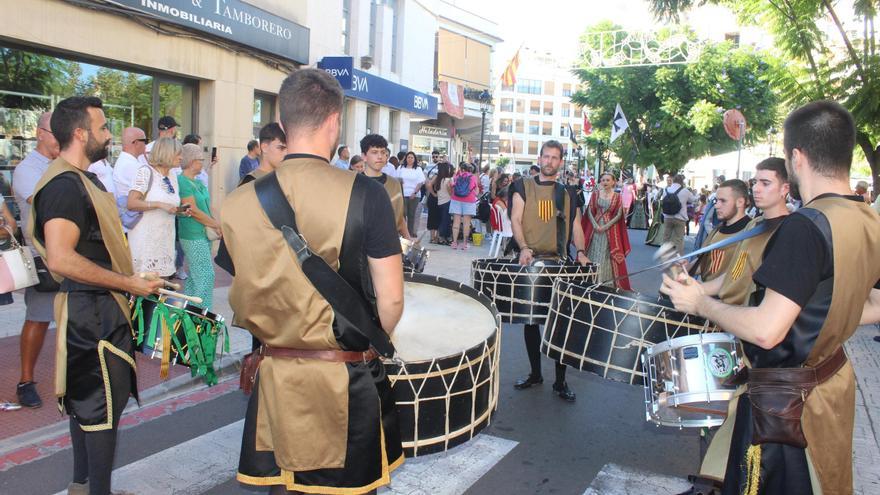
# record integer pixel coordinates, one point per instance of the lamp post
(485, 105)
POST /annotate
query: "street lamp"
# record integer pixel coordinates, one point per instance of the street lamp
(485, 106)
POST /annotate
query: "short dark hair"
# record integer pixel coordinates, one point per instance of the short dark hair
(191, 139)
(339, 149)
(534, 168)
(307, 98)
(552, 144)
(373, 141)
(739, 188)
(400, 155)
(71, 114)
(252, 145)
(825, 132)
(271, 132)
(775, 164)
(678, 179)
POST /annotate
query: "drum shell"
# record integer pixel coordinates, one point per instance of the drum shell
(444, 402)
(148, 306)
(690, 371)
(522, 293)
(605, 330)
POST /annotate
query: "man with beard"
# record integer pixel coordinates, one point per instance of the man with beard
(75, 226)
(321, 418)
(38, 312)
(374, 150)
(818, 270)
(730, 205)
(545, 222)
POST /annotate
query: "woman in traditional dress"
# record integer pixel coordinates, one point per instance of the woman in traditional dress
(639, 219)
(655, 232)
(605, 232)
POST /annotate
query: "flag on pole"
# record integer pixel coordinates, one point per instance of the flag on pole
(571, 135)
(509, 76)
(618, 123)
(588, 127)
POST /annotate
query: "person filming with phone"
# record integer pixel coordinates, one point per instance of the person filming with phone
(155, 192)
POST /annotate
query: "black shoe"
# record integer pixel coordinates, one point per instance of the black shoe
(27, 395)
(877, 338)
(564, 392)
(524, 383)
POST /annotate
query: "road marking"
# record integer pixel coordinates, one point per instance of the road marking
(615, 479)
(201, 463)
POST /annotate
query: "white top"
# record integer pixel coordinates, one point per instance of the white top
(443, 196)
(104, 172)
(389, 170)
(124, 171)
(25, 176)
(685, 196)
(152, 239)
(485, 183)
(340, 163)
(412, 178)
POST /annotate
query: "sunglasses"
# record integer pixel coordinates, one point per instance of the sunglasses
(168, 186)
(44, 129)
(142, 140)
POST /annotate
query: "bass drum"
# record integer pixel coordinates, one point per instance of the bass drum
(522, 293)
(605, 330)
(446, 383)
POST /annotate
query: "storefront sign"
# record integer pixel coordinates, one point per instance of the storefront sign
(429, 130)
(233, 20)
(367, 87)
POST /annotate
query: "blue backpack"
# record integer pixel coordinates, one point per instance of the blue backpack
(462, 186)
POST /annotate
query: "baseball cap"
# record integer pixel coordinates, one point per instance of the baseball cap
(167, 122)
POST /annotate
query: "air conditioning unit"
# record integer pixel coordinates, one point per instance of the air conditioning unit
(366, 62)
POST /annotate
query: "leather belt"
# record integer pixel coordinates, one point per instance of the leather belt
(807, 375)
(331, 355)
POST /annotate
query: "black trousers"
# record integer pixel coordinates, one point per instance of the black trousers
(532, 335)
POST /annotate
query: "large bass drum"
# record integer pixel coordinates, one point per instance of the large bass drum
(446, 387)
(605, 330)
(522, 293)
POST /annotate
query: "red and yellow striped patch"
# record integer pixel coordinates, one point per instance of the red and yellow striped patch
(740, 266)
(545, 210)
(716, 260)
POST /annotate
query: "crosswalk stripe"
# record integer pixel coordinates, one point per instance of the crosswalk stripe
(614, 479)
(201, 463)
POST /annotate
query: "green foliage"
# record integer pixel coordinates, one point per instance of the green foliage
(675, 111)
(32, 73)
(502, 161)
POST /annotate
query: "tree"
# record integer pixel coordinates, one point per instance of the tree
(32, 73)
(675, 111)
(841, 65)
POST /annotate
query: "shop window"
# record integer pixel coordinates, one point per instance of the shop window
(264, 111)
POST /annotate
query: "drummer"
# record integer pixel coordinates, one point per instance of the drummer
(818, 269)
(546, 222)
(374, 150)
(731, 201)
(735, 287)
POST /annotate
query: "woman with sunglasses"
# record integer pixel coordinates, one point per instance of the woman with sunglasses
(155, 192)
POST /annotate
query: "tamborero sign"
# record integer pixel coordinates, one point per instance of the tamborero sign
(233, 20)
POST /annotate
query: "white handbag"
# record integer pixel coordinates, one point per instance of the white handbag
(17, 268)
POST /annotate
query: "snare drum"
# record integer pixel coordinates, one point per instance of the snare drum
(414, 256)
(446, 387)
(605, 330)
(686, 375)
(192, 333)
(522, 292)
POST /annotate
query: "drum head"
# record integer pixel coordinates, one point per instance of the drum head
(439, 321)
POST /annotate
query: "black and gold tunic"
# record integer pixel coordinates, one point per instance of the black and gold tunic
(547, 217)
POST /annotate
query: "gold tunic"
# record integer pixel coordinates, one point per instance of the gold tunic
(716, 262)
(395, 192)
(539, 221)
(303, 413)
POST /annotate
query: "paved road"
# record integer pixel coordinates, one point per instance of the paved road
(536, 443)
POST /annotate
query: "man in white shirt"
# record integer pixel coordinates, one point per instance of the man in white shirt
(674, 225)
(167, 128)
(38, 305)
(389, 169)
(132, 158)
(342, 157)
(104, 171)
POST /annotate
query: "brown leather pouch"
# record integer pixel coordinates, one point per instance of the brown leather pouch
(249, 366)
(776, 413)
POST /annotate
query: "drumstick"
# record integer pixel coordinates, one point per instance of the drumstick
(178, 295)
(149, 276)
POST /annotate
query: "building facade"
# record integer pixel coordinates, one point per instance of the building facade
(536, 109)
(215, 66)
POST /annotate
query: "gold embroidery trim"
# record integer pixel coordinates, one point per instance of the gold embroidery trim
(102, 345)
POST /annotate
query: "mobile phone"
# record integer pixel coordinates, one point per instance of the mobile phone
(213, 153)
(183, 208)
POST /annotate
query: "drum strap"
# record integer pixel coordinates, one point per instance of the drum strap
(346, 302)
